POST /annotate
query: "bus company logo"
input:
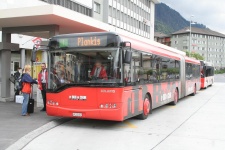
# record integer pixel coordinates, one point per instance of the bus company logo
(166, 96)
(78, 98)
(108, 91)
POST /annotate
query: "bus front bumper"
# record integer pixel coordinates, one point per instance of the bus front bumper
(101, 114)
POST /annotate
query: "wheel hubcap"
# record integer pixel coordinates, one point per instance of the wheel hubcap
(146, 107)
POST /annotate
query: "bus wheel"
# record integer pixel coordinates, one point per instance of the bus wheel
(146, 108)
(193, 94)
(176, 97)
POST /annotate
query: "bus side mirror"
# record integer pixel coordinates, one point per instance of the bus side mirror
(128, 53)
(33, 54)
(127, 57)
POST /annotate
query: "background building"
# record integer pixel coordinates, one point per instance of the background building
(208, 43)
(162, 38)
(136, 16)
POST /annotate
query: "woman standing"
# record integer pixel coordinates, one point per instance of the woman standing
(26, 90)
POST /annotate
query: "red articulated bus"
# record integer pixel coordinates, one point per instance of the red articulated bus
(207, 74)
(134, 77)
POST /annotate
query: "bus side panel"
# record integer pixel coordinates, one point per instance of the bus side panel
(132, 101)
(163, 93)
(207, 81)
(210, 80)
(190, 84)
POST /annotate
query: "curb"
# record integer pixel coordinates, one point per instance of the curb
(25, 140)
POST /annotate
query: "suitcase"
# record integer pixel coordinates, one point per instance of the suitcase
(30, 107)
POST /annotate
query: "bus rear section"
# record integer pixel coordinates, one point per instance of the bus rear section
(192, 76)
(207, 74)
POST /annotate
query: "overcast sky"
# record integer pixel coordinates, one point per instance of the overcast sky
(208, 12)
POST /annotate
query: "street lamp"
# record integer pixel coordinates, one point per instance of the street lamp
(190, 36)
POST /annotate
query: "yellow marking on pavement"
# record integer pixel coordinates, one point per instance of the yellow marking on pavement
(130, 125)
(172, 106)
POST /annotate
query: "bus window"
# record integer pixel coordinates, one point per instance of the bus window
(177, 69)
(147, 68)
(78, 67)
(137, 72)
(188, 69)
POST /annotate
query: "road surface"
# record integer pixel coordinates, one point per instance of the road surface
(196, 122)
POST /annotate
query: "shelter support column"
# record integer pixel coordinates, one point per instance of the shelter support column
(5, 64)
(22, 58)
(5, 55)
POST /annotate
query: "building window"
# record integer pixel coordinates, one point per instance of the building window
(185, 41)
(110, 11)
(96, 7)
(185, 47)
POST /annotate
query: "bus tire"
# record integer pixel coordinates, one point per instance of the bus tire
(193, 94)
(147, 108)
(176, 97)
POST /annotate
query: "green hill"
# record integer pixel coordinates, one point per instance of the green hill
(168, 20)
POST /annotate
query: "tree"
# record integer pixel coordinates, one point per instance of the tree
(195, 55)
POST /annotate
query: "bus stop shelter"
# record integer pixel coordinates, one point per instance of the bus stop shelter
(38, 21)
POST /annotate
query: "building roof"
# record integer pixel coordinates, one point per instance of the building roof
(156, 1)
(199, 31)
(160, 35)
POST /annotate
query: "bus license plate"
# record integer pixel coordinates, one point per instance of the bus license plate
(77, 114)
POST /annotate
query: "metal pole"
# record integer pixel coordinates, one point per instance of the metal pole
(190, 38)
(190, 41)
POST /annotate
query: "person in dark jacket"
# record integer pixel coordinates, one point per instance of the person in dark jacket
(17, 76)
(27, 80)
(18, 73)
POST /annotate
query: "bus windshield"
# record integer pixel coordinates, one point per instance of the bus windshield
(84, 67)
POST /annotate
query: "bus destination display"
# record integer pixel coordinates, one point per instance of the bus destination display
(92, 41)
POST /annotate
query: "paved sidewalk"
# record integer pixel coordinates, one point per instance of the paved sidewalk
(13, 126)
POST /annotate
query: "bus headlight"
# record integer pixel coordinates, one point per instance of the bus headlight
(52, 103)
(108, 106)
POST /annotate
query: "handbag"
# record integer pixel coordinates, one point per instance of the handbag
(26, 87)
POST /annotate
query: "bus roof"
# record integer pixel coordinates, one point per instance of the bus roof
(84, 34)
(139, 44)
(207, 63)
(192, 60)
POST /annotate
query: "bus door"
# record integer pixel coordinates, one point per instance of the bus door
(133, 91)
(182, 93)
